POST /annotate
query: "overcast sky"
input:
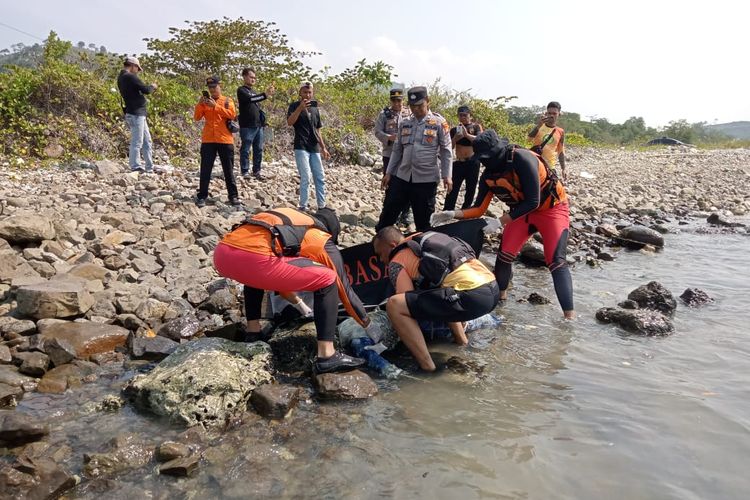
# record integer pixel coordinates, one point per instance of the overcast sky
(662, 60)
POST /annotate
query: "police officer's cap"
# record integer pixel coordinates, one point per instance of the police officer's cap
(488, 144)
(397, 94)
(463, 109)
(417, 95)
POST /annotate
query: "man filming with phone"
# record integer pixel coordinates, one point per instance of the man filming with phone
(548, 140)
(215, 109)
(304, 116)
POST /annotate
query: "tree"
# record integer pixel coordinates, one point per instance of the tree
(376, 75)
(680, 130)
(523, 115)
(223, 47)
(54, 48)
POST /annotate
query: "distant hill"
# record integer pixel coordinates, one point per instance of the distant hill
(31, 55)
(737, 130)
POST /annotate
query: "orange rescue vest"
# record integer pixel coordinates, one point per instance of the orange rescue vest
(507, 187)
(287, 227)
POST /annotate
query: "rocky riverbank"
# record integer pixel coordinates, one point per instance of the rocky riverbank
(107, 271)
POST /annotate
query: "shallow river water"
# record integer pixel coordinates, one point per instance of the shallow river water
(573, 410)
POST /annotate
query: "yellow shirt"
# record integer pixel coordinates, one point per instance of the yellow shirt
(467, 276)
(554, 146)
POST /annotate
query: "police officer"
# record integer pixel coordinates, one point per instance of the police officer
(386, 128)
(421, 156)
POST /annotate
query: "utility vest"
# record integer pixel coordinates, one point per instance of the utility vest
(391, 121)
(439, 255)
(507, 187)
(287, 227)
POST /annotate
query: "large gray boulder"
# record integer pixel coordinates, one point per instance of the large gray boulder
(26, 228)
(654, 296)
(54, 299)
(637, 237)
(639, 321)
(695, 297)
(203, 382)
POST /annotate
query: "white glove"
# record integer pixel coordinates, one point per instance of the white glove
(303, 309)
(492, 225)
(374, 332)
(439, 218)
(378, 348)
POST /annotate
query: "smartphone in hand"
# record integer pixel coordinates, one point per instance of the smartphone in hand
(206, 95)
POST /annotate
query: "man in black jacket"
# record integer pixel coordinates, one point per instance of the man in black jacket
(252, 121)
(133, 91)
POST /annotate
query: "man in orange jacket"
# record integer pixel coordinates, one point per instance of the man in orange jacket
(287, 250)
(215, 109)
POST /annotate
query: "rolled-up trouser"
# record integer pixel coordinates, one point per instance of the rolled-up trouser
(281, 274)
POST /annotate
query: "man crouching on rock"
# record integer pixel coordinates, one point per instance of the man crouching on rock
(454, 286)
(287, 250)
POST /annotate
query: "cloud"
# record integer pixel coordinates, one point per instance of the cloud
(483, 70)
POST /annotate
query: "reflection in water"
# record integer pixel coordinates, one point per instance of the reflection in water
(564, 410)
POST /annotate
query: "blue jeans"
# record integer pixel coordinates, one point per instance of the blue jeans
(140, 142)
(251, 137)
(310, 163)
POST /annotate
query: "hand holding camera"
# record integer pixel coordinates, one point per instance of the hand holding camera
(207, 100)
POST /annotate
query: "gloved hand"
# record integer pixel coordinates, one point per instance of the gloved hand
(492, 225)
(439, 218)
(374, 332)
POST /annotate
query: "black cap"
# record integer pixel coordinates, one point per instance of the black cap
(488, 144)
(329, 219)
(463, 109)
(417, 95)
(212, 80)
(397, 93)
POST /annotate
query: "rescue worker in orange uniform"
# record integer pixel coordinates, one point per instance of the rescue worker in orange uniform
(538, 202)
(286, 250)
(215, 109)
(437, 278)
